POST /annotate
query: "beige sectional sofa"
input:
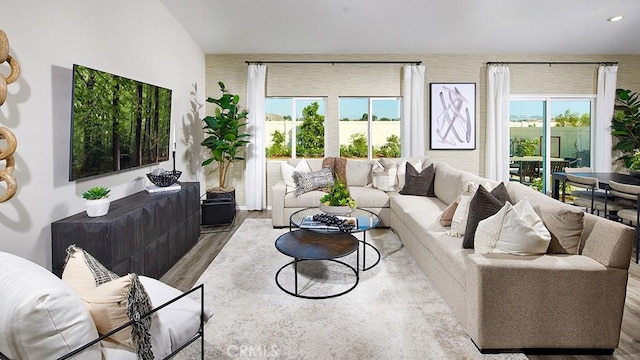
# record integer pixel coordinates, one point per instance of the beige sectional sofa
(505, 302)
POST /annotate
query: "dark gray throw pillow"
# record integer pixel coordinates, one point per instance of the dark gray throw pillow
(482, 205)
(418, 183)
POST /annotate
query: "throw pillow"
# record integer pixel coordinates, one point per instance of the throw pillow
(447, 214)
(339, 167)
(565, 224)
(287, 173)
(483, 205)
(418, 183)
(116, 302)
(111, 300)
(514, 229)
(402, 170)
(461, 214)
(384, 174)
(83, 272)
(307, 181)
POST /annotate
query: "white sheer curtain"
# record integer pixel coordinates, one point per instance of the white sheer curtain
(497, 129)
(255, 176)
(412, 135)
(605, 100)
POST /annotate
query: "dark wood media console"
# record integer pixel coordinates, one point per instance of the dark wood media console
(143, 233)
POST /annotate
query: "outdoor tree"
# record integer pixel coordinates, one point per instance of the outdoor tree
(572, 119)
(310, 137)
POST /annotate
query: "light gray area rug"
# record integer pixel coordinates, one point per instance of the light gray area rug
(393, 313)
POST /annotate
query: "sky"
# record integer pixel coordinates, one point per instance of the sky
(536, 107)
(351, 108)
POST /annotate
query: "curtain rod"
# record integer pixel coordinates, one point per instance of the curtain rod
(334, 62)
(553, 63)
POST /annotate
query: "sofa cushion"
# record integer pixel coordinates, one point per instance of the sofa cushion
(369, 197)
(446, 184)
(424, 208)
(514, 229)
(358, 172)
(418, 183)
(41, 317)
(483, 205)
(307, 181)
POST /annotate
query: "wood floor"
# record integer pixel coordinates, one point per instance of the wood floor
(186, 272)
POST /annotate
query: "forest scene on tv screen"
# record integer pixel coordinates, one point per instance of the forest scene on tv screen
(118, 123)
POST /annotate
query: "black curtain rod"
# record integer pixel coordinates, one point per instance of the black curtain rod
(334, 62)
(553, 63)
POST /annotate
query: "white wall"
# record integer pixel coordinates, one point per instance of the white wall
(135, 39)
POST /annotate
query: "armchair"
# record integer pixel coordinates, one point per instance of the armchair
(44, 318)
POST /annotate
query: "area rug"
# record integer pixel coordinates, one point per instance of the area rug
(392, 313)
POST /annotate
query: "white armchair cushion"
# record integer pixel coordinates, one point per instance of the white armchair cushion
(41, 317)
(175, 324)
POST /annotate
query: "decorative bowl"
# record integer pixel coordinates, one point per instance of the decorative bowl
(336, 210)
(164, 179)
(634, 173)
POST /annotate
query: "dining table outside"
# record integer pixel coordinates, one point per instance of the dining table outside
(603, 180)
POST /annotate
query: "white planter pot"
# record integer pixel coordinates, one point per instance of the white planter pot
(97, 208)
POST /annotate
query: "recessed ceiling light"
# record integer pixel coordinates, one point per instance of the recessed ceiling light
(615, 18)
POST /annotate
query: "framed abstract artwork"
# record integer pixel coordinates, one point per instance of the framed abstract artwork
(453, 116)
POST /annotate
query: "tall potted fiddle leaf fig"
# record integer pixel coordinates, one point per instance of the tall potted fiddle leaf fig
(625, 125)
(225, 136)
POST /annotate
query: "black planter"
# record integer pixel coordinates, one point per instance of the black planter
(219, 208)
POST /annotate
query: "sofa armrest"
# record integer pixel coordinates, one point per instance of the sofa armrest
(548, 301)
(608, 242)
(279, 191)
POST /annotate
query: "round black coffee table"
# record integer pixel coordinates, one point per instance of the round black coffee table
(366, 220)
(304, 245)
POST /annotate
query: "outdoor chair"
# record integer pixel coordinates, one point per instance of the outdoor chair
(589, 199)
(632, 215)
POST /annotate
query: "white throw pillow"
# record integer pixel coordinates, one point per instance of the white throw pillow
(287, 173)
(402, 170)
(459, 221)
(41, 317)
(514, 229)
(384, 174)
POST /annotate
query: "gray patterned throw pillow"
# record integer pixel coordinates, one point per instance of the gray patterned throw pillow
(307, 181)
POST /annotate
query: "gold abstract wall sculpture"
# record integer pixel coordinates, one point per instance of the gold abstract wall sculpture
(7, 161)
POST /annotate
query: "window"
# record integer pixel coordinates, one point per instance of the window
(547, 134)
(292, 136)
(369, 127)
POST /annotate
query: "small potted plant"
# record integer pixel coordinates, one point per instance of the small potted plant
(97, 201)
(634, 165)
(338, 200)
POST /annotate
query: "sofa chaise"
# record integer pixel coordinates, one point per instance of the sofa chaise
(567, 298)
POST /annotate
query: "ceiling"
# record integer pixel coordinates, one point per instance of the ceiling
(410, 26)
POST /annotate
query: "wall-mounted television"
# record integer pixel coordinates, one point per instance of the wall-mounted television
(117, 123)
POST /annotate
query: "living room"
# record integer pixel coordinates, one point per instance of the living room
(143, 40)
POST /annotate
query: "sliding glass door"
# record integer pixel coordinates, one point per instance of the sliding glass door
(548, 134)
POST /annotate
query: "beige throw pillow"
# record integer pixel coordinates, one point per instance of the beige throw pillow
(459, 219)
(514, 229)
(384, 173)
(447, 214)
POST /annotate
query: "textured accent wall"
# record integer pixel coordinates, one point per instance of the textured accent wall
(332, 81)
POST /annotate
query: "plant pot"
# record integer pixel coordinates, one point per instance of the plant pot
(98, 207)
(336, 210)
(219, 208)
